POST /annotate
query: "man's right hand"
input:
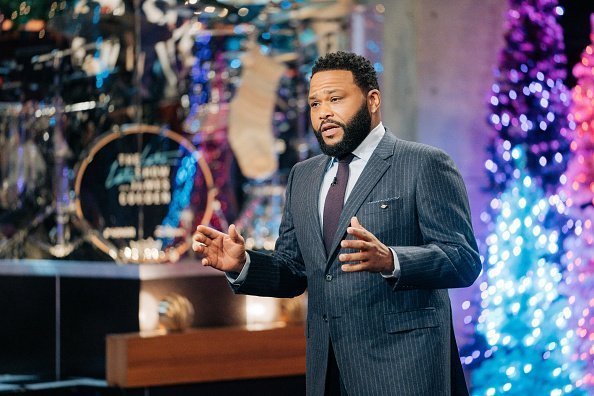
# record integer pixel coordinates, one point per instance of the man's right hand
(225, 252)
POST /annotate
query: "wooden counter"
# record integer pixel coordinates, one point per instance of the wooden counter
(204, 355)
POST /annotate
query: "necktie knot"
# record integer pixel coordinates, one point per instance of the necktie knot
(346, 159)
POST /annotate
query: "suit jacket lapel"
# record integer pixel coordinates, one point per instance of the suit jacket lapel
(312, 203)
(372, 173)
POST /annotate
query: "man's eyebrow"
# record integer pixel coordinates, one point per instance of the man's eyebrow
(326, 91)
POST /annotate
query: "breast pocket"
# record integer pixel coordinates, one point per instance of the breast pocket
(380, 216)
(382, 205)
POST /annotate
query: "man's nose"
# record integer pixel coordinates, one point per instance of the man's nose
(324, 111)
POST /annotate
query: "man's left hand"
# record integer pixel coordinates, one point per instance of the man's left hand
(372, 255)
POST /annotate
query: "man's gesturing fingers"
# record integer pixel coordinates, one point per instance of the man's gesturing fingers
(198, 247)
(363, 266)
(357, 230)
(202, 238)
(353, 257)
(234, 234)
(208, 232)
(355, 244)
(370, 255)
(225, 252)
(199, 242)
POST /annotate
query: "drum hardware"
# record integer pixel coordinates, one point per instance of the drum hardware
(11, 248)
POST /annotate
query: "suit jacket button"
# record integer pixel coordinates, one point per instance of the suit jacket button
(325, 318)
(328, 277)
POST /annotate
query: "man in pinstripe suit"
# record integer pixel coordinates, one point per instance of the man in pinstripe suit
(379, 318)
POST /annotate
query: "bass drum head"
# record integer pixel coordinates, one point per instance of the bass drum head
(140, 190)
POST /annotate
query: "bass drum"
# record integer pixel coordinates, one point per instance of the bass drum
(139, 191)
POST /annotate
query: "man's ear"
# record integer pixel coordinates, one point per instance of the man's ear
(374, 100)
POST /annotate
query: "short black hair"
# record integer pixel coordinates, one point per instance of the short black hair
(363, 72)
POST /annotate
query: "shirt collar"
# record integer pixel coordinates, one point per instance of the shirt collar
(367, 146)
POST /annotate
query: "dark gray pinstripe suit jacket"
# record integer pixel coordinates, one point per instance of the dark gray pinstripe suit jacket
(390, 337)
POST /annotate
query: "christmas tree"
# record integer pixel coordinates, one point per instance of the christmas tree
(529, 99)
(578, 194)
(524, 317)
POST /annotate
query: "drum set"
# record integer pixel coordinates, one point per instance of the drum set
(132, 194)
(119, 150)
(136, 193)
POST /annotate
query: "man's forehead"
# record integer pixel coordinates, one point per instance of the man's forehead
(331, 80)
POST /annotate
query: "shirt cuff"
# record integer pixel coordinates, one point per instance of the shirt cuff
(396, 272)
(238, 278)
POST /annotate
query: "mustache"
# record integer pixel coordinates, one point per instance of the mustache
(330, 121)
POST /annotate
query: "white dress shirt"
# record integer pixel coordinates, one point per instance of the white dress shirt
(362, 155)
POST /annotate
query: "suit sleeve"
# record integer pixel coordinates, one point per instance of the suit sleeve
(448, 257)
(280, 273)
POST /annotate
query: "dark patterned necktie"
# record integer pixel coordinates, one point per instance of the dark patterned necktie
(335, 200)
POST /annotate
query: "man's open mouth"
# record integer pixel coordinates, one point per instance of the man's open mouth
(328, 129)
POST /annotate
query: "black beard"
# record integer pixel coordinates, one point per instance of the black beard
(355, 132)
